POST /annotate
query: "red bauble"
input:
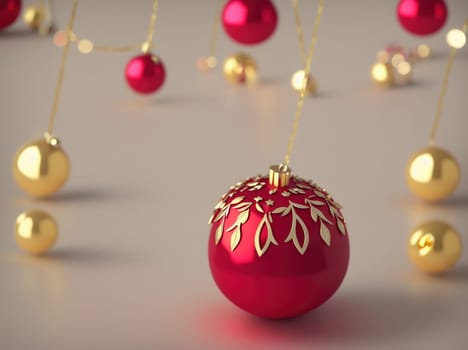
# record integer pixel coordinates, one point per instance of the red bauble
(9, 12)
(249, 21)
(278, 252)
(145, 73)
(422, 17)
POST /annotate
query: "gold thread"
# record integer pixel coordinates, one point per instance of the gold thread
(128, 48)
(300, 103)
(299, 31)
(61, 73)
(149, 38)
(443, 90)
(215, 29)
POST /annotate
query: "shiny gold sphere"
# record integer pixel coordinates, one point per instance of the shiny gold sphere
(297, 81)
(432, 173)
(240, 68)
(382, 74)
(434, 246)
(35, 231)
(34, 16)
(391, 70)
(41, 167)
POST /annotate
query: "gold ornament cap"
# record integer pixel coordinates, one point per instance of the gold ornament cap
(279, 175)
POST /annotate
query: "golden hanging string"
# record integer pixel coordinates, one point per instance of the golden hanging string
(299, 31)
(443, 90)
(61, 73)
(86, 46)
(300, 103)
(215, 29)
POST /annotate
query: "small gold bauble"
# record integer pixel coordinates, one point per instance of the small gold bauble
(432, 173)
(382, 74)
(396, 70)
(297, 81)
(34, 15)
(434, 246)
(41, 167)
(240, 68)
(35, 231)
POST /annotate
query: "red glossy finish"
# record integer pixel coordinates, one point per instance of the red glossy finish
(422, 17)
(281, 283)
(249, 22)
(145, 73)
(9, 12)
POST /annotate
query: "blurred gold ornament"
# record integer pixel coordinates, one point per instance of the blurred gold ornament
(422, 51)
(432, 173)
(297, 81)
(434, 246)
(393, 73)
(456, 38)
(240, 68)
(41, 167)
(206, 63)
(34, 16)
(35, 231)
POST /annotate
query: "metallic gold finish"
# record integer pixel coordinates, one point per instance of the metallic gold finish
(41, 167)
(397, 71)
(382, 73)
(434, 246)
(456, 38)
(279, 175)
(34, 16)
(35, 231)
(240, 68)
(297, 82)
(432, 173)
(423, 51)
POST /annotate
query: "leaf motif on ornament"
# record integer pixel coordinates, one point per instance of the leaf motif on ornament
(320, 194)
(242, 206)
(270, 239)
(279, 210)
(210, 220)
(220, 215)
(325, 233)
(297, 205)
(293, 233)
(304, 186)
(259, 208)
(237, 200)
(219, 232)
(341, 226)
(314, 202)
(236, 227)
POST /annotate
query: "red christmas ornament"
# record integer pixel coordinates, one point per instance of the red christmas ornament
(145, 73)
(422, 17)
(9, 12)
(278, 252)
(249, 22)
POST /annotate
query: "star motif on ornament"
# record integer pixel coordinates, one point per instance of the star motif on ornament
(269, 202)
(285, 194)
(258, 199)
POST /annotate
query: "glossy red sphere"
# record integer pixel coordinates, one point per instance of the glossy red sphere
(278, 253)
(9, 12)
(422, 17)
(249, 21)
(145, 73)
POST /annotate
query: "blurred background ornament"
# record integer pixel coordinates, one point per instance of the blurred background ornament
(393, 67)
(38, 17)
(241, 69)
(9, 12)
(433, 173)
(249, 22)
(36, 231)
(41, 167)
(434, 246)
(422, 17)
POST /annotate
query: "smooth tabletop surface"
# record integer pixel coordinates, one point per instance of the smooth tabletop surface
(130, 268)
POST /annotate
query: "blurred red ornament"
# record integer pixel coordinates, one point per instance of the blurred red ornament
(145, 73)
(422, 17)
(9, 12)
(249, 22)
(278, 252)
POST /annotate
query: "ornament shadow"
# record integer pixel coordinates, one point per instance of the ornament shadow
(458, 200)
(88, 256)
(18, 33)
(351, 317)
(89, 194)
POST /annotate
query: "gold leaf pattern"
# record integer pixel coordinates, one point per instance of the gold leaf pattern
(314, 202)
(325, 233)
(269, 240)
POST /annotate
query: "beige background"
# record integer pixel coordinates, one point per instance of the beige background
(130, 268)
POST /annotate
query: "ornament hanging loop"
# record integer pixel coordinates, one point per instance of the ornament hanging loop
(279, 175)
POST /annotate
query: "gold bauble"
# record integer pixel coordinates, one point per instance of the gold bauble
(240, 68)
(434, 246)
(432, 173)
(382, 74)
(41, 167)
(297, 81)
(396, 70)
(34, 15)
(35, 231)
